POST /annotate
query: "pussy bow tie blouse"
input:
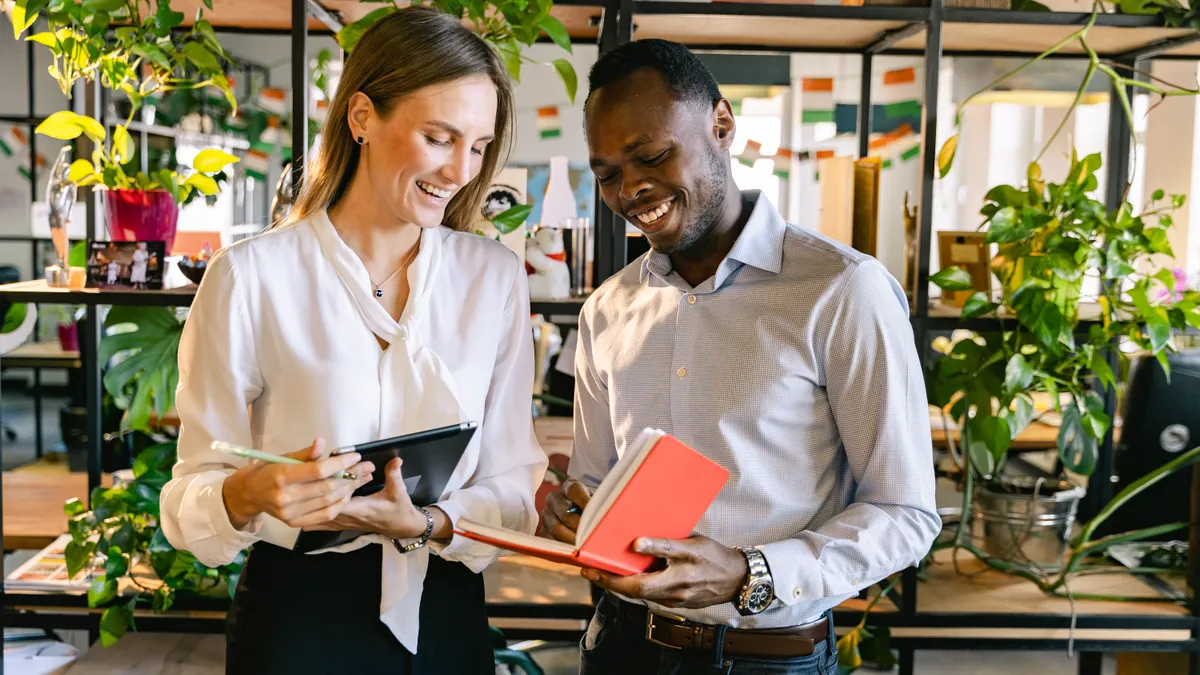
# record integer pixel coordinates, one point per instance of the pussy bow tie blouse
(280, 348)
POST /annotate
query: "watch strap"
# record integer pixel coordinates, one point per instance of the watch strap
(423, 539)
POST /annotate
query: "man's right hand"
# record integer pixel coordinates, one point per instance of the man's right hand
(297, 494)
(559, 520)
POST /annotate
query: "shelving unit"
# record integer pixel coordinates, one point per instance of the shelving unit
(936, 616)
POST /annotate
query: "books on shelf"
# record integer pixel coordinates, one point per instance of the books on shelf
(47, 571)
(659, 488)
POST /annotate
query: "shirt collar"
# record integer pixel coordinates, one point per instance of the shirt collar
(759, 245)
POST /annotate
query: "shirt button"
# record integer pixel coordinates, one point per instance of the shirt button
(682, 372)
(691, 299)
(796, 593)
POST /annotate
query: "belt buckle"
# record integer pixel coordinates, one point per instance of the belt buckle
(697, 632)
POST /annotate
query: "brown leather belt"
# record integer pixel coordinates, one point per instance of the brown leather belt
(786, 643)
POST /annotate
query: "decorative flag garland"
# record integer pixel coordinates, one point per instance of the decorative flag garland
(548, 123)
(257, 163)
(901, 94)
(816, 100)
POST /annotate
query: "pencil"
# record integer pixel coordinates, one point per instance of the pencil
(231, 449)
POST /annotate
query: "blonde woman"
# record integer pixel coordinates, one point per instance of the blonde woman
(372, 312)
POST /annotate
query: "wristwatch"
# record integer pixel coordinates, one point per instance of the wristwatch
(424, 539)
(758, 591)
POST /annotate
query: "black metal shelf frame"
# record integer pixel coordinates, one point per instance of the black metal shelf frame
(616, 27)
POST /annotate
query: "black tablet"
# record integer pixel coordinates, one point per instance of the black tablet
(430, 457)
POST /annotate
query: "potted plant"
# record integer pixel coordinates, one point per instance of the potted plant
(509, 25)
(138, 207)
(1051, 238)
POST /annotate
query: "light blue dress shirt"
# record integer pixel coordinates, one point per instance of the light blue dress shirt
(794, 367)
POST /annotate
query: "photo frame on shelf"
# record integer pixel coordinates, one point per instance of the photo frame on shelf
(126, 265)
(967, 250)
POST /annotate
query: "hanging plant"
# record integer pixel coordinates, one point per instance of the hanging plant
(145, 54)
(509, 25)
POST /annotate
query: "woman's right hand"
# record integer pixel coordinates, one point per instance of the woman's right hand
(297, 494)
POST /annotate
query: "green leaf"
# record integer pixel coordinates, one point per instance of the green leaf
(103, 5)
(102, 592)
(1004, 227)
(556, 31)
(73, 507)
(164, 598)
(349, 36)
(1076, 449)
(122, 145)
(566, 72)
(1096, 422)
(116, 566)
(79, 170)
(123, 537)
(205, 184)
(166, 18)
(156, 458)
(945, 158)
(996, 435)
(199, 55)
(1177, 201)
(1133, 535)
(44, 38)
(510, 53)
(77, 556)
(1005, 195)
(153, 54)
(213, 160)
(62, 125)
(24, 13)
(113, 624)
(1018, 374)
(1158, 194)
(977, 305)
(952, 279)
(1021, 414)
(512, 218)
(1103, 370)
(91, 127)
(14, 317)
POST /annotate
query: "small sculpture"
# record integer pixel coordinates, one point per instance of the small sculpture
(546, 263)
(285, 195)
(60, 197)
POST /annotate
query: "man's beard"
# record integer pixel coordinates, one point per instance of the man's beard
(711, 202)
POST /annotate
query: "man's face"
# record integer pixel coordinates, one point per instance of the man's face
(662, 164)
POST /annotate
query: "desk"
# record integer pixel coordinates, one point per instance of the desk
(33, 505)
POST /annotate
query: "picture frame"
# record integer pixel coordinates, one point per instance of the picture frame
(967, 250)
(126, 265)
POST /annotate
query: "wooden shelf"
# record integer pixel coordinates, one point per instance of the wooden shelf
(40, 355)
(33, 505)
(276, 15)
(39, 291)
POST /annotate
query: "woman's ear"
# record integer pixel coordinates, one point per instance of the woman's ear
(358, 116)
(723, 124)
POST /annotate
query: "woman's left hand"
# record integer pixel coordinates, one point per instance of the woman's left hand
(389, 512)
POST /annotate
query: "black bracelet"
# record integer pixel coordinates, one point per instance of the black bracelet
(408, 548)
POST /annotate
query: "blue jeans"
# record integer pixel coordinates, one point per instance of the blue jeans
(613, 645)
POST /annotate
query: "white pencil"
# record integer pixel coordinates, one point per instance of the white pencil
(239, 451)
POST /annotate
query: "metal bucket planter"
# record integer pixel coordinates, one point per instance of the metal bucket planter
(1026, 520)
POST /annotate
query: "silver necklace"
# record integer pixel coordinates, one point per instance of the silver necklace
(412, 254)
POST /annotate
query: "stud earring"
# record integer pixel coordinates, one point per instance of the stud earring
(360, 140)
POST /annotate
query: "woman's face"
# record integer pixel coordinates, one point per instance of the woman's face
(428, 147)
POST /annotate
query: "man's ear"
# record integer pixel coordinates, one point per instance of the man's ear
(724, 125)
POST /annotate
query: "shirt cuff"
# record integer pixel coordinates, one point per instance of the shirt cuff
(232, 540)
(795, 571)
(459, 548)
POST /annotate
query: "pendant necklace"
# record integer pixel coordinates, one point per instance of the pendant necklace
(409, 259)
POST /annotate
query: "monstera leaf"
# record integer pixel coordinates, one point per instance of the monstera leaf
(144, 379)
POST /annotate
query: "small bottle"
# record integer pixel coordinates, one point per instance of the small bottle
(559, 203)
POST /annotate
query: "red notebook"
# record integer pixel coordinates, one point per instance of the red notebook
(660, 488)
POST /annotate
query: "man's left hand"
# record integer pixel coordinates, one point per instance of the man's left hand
(700, 573)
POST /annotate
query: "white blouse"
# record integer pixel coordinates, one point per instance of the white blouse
(280, 348)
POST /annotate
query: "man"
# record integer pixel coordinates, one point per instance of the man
(781, 355)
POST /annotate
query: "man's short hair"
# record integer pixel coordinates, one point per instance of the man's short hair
(685, 74)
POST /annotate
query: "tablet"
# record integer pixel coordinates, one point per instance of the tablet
(430, 457)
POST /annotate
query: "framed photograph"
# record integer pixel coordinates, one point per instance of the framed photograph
(126, 265)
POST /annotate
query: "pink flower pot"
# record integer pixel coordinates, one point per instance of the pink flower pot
(68, 337)
(141, 215)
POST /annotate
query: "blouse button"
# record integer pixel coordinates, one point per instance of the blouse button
(682, 372)
(691, 300)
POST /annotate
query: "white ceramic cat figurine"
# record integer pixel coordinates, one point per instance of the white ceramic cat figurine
(546, 263)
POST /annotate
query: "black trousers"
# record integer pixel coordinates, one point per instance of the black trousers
(299, 614)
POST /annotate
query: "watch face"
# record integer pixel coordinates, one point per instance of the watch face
(760, 596)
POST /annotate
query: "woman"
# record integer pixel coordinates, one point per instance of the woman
(361, 318)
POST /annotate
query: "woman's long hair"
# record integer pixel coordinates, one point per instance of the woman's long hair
(406, 51)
